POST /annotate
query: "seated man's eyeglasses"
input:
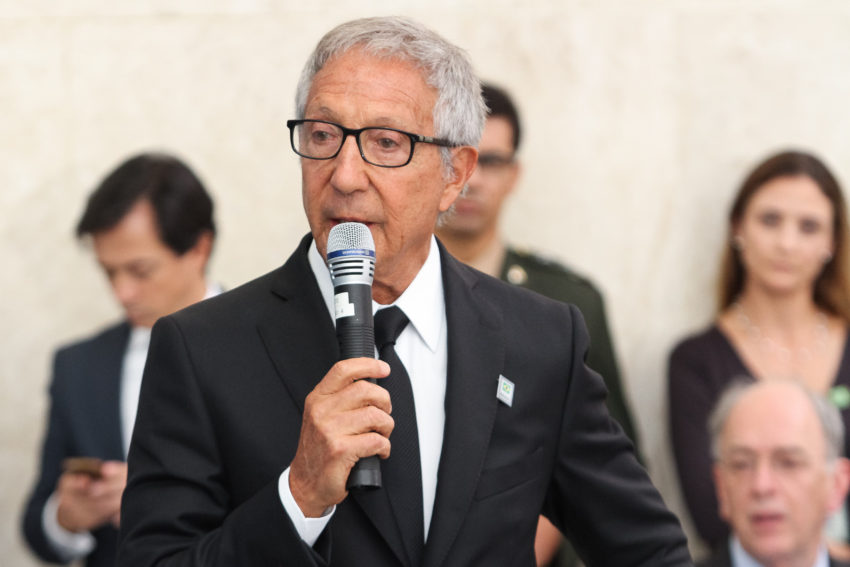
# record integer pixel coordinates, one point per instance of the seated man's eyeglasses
(384, 147)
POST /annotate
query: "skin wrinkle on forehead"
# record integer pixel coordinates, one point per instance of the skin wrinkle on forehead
(392, 90)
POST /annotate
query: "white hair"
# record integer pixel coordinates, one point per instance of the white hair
(459, 112)
(828, 416)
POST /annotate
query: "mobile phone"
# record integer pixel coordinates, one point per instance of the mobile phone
(83, 465)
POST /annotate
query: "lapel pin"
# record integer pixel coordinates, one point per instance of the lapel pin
(505, 392)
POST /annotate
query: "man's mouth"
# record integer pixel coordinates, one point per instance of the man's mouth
(339, 220)
(464, 205)
(766, 520)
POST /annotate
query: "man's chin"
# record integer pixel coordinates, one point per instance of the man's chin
(769, 550)
(139, 320)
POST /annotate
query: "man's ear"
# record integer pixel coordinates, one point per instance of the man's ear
(839, 485)
(720, 490)
(464, 160)
(202, 250)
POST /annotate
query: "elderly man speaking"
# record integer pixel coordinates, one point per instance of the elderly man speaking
(249, 424)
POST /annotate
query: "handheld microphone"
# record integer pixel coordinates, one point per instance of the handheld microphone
(351, 262)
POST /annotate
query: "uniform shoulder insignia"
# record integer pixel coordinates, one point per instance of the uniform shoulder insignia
(527, 262)
(516, 274)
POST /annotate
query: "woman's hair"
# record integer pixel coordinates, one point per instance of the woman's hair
(832, 287)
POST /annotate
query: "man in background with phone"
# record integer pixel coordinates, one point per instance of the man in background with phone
(150, 223)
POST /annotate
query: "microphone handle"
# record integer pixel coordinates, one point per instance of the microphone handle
(356, 336)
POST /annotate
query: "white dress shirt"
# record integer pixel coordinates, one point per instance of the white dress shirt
(73, 545)
(423, 349)
(740, 557)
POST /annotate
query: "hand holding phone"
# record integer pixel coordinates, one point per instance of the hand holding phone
(83, 465)
(89, 493)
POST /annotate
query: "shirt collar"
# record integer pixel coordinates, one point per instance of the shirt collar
(740, 557)
(422, 301)
(213, 289)
(140, 338)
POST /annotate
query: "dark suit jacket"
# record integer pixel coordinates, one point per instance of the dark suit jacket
(555, 280)
(722, 558)
(559, 282)
(220, 413)
(84, 420)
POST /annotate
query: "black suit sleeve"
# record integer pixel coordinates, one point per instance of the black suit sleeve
(56, 446)
(178, 509)
(602, 359)
(613, 513)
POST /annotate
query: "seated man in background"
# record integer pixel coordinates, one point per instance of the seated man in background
(779, 474)
(150, 223)
(471, 233)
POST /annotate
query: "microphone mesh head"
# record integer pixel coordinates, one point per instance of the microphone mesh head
(349, 235)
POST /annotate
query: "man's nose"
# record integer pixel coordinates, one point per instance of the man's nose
(349, 167)
(125, 288)
(764, 478)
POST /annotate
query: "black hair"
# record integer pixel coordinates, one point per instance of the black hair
(182, 206)
(499, 103)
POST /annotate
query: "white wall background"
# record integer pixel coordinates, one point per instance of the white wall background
(641, 118)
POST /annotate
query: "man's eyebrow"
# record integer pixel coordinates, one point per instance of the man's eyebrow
(793, 450)
(326, 114)
(740, 450)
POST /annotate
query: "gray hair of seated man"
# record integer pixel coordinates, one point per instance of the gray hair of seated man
(828, 416)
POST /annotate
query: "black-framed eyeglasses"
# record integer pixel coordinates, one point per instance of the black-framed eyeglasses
(384, 147)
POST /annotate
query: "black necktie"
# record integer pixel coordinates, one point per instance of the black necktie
(401, 472)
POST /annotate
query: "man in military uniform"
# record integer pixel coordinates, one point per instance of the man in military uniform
(471, 233)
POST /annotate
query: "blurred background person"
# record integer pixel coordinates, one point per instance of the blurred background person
(784, 305)
(779, 474)
(471, 232)
(150, 223)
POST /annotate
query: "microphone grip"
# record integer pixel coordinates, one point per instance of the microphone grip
(365, 474)
(355, 341)
(356, 336)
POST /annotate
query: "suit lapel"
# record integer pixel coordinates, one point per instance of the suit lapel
(107, 391)
(297, 330)
(299, 336)
(471, 404)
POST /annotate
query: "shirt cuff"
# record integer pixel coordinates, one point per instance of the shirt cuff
(67, 545)
(309, 529)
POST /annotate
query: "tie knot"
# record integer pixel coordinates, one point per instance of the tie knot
(389, 323)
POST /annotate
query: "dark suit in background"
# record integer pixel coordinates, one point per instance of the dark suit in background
(220, 413)
(84, 420)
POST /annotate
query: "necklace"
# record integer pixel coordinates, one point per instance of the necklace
(783, 354)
